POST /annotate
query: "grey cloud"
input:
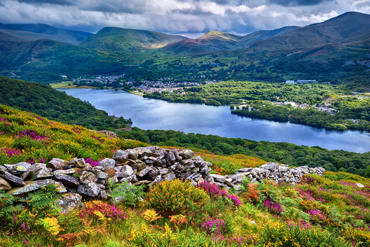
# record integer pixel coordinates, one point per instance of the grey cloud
(54, 2)
(133, 7)
(299, 2)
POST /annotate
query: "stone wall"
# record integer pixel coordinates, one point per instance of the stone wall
(142, 165)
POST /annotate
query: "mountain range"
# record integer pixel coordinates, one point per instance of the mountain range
(41, 52)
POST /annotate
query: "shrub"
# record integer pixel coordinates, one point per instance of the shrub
(126, 193)
(214, 191)
(176, 197)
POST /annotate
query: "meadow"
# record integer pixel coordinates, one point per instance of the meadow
(332, 210)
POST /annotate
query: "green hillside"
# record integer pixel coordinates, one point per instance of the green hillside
(122, 41)
(55, 105)
(32, 32)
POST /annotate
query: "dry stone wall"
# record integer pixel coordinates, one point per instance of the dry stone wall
(143, 165)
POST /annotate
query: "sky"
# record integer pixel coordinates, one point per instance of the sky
(187, 17)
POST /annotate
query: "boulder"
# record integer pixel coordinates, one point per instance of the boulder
(127, 170)
(79, 163)
(130, 179)
(4, 185)
(12, 179)
(100, 175)
(69, 202)
(120, 156)
(110, 171)
(18, 168)
(90, 189)
(3, 169)
(169, 176)
(186, 154)
(65, 172)
(68, 181)
(56, 163)
(88, 177)
(218, 178)
(30, 186)
(34, 168)
(42, 174)
(107, 163)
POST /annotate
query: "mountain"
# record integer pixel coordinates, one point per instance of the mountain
(33, 32)
(346, 28)
(220, 41)
(45, 60)
(120, 40)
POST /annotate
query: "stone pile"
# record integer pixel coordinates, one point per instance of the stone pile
(142, 165)
(270, 170)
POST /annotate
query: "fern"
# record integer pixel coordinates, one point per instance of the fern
(8, 207)
(127, 192)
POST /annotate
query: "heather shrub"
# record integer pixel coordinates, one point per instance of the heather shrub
(215, 192)
(175, 197)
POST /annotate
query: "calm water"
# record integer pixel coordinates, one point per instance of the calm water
(190, 118)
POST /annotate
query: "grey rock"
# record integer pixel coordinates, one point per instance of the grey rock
(42, 174)
(169, 176)
(283, 168)
(12, 179)
(163, 171)
(88, 177)
(103, 195)
(79, 163)
(69, 202)
(68, 181)
(120, 156)
(34, 168)
(198, 161)
(186, 154)
(65, 172)
(171, 157)
(30, 186)
(58, 163)
(130, 179)
(205, 170)
(3, 169)
(127, 170)
(89, 189)
(139, 165)
(4, 185)
(146, 151)
(18, 168)
(100, 175)
(245, 170)
(107, 163)
(218, 178)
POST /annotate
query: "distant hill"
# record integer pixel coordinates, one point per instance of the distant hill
(120, 40)
(45, 60)
(33, 32)
(220, 41)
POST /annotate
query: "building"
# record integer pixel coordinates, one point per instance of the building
(306, 81)
(290, 82)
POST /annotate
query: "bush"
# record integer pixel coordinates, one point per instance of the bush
(176, 197)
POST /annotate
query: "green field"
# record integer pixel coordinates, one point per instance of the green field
(62, 84)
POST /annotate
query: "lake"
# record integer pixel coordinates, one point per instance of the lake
(152, 114)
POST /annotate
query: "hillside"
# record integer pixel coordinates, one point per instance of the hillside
(33, 32)
(214, 41)
(47, 102)
(46, 60)
(122, 41)
(329, 209)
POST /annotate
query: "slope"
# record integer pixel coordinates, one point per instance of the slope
(120, 40)
(32, 32)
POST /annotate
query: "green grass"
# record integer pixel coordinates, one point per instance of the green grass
(61, 84)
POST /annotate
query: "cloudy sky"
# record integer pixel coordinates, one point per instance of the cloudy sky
(177, 16)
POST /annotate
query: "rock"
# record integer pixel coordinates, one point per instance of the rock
(100, 175)
(42, 174)
(139, 165)
(12, 179)
(146, 151)
(110, 171)
(171, 157)
(68, 181)
(60, 187)
(218, 178)
(4, 185)
(3, 169)
(142, 182)
(186, 154)
(283, 168)
(163, 171)
(120, 156)
(80, 163)
(89, 189)
(30, 186)
(34, 168)
(169, 176)
(58, 163)
(87, 167)
(69, 202)
(107, 163)
(18, 168)
(245, 170)
(239, 177)
(88, 177)
(65, 172)
(127, 170)
(205, 170)
(198, 161)
(130, 179)
(360, 185)
(103, 195)
(201, 180)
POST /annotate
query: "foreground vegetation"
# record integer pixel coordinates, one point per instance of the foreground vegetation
(332, 210)
(351, 111)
